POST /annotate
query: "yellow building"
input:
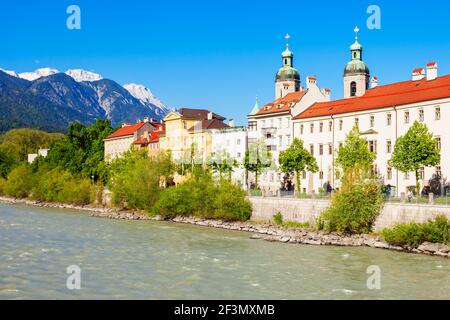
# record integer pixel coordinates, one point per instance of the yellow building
(188, 128)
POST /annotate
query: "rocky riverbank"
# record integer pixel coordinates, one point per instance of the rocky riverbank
(311, 237)
(260, 231)
(96, 211)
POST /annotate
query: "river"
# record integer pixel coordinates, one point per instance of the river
(164, 260)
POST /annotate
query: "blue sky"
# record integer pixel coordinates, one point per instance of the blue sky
(221, 54)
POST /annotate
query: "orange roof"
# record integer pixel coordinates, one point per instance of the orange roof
(282, 104)
(153, 136)
(395, 94)
(126, 130)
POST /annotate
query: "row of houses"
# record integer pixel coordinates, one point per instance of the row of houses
(382, 112)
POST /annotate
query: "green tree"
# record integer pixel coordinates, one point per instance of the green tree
(257, 158)
(295, 159)
(6, 163)
(222, 162)
(18, 143)
(416, 149)
(81, 152)
(355, 152)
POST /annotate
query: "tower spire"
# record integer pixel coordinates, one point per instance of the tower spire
(356, 33)
(287, 37)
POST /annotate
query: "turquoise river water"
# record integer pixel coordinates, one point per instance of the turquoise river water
(163, 260)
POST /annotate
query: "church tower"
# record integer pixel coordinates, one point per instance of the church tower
(287, 79)
(356, 73)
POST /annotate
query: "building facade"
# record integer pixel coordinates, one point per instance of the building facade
(187, 128)
(273, 122)
(123, 139)
(233, 140)
(383, 114)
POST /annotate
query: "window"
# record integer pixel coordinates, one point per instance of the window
(330, 149)
(406, 175)
(438, 171)
(288, 122)
(311, 149)
(437, 113)
(238, 154)
(356, 121)
(373, 146)
(321, 149)
(388, 146)
(280, 125)
(303, 174)
(372, 121)
(321, 175)
(389, 119)
(280, 140)
(341, 124)
(353, 88)
(422, 173)
(252, 126)
(311, 128)
(389, 173)
(421, 115)
(238, 142)
(330, 126)
(288, 139)
(406, 116)
(438, 143)
(184, 124)
(321, 127)
(301, 129)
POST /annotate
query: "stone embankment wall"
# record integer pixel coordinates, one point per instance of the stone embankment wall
(308, 210)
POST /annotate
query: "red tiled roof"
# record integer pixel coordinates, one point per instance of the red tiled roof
(419, 70)
(153, 136)
(431, 64)
(282, 104)
(395, 94)
(126, 131)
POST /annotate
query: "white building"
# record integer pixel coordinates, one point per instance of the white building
(273, 122)
(234, 141)
(33, 156)
(383, 114)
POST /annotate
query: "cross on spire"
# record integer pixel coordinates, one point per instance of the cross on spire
(287, 37)
(356, 32)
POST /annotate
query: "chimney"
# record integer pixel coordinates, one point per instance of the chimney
(124, 125)
(432, 71)
(310, 81)
(231, 123)
(327, 93)
(418, 74)
(145, 119)
(373, 82)
(210, 115)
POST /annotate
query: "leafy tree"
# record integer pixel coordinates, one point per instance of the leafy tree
(296, 159)
(257, 159)
(355, 152)
(6, 163)
(222, 163)
(81, 152)
(18, 143)
(416, 149)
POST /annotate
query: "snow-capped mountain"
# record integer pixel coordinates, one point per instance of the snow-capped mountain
(50, 100)
(11, 73)
(39, 73)
(80, 75)
(146, 96)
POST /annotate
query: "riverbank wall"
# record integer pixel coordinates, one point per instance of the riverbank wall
(308, 210)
